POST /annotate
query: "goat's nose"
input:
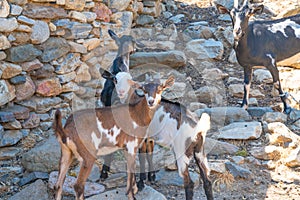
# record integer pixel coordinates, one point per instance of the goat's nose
(151, 102)
(121, 92)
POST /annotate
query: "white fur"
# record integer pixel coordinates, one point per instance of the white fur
(115, 132)
(131, 146)
(272, 59)
(134, 124)
(96, 140)
(283, 25)
(123, 85)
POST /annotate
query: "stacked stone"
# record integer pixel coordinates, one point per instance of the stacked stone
(51, 54)
(151, 9)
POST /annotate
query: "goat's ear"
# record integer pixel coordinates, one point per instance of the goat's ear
(114, 37)
(256, 9)
(133, 84)
(222, 9)
(106, 74)
(169, 82)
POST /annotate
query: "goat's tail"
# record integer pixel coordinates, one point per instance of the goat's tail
(57, 126)
(203, 124)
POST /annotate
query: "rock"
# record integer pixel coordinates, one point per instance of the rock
(8, 24)
(175, 92)
(13, 125)
(10, 137)
(202, 49)
(215, 147)
(7, 92)
(7, 153)
(2, 55)
(82, 73)
(65, 78)
(258, 111)
(70, 63)
(45, 72)
(48, 87)
(75, 4)
(270, 117)
(6, 117)
(32, 122)
(19, 112)
(147, 193)
(4, 43)
(221, 116)
(46, 104)
(281, 135)
(15, 10)
(238, 159)
(40, 32)
(214, 74)
(293, 160)
(94, 175)
(217, 166)
(237, 90)
(22, 53)
(36, 190)
(77, 48)
(119, 5)
(237, 171)
(267, 152)
(43, 158)
(144, 20)
(44, 12)
(25, 90)
(232, 57)
(4, 11)
(177, 18)
(20, 79)
(91, 44)
(263, 76)
(25, 20)
(123, 20)
(162, 45)
(241, 131)
(78, 16)
(199, 30)
(54, 48)
(210, 95)
(9, 70)
(197, 105)
(103, 12)
(89, 189)
(28, 178)
(170, 58)
(269, 164)
(19, 38)
(31, 65)
(153, 11)
(76, 30)
(90, 16)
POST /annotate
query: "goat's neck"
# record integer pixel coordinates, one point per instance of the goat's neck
(124, 58)
(140, 112)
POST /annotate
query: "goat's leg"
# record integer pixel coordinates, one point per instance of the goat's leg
(65, 162)
(276, 81)
(202, 163)
(142, 159)
(85, 169)
(150, 149)
(188, 184)
(131, 188)
(247, 84)
(106, 166)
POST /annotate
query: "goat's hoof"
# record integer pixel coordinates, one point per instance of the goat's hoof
(141, 185)
(151, 177)
(288, 110)
(103, 176)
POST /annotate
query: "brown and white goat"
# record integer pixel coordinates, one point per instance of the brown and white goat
(89, 133)
(174, 126)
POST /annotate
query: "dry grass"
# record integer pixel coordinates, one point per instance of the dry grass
(226, 179)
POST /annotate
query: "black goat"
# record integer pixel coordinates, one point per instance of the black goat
(263, 43)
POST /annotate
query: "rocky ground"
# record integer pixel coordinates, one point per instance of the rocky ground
(261, 164)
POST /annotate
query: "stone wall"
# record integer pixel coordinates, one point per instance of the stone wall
(51, 52)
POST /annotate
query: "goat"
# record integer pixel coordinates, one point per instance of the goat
(126, 46)
(174, 126)
(263, 43)
(88, 133)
